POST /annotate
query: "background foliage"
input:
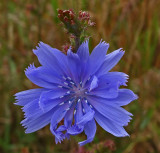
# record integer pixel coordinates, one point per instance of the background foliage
(131, 24)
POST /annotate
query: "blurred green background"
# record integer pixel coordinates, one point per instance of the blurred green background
(133, 25)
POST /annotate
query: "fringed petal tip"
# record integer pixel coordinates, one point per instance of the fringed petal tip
(85, 42)
(30, 68)
(135, 97)
(103, 43)
(124, 135)
(120, 52)
(82, 143)
(59, 136)
(17, 103)
(40, 44)
(58, 140)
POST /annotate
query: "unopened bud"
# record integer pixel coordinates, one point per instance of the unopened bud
(66, 19)
(71, 15)
(72, 22)
(65, 48)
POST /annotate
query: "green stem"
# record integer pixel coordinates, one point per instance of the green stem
(77, 43)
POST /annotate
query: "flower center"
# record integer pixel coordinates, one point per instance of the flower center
(75, 89)
(79, 91)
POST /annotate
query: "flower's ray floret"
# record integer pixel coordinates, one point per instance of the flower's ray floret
(77, 90)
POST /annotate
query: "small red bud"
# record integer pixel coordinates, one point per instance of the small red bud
(71, 10)
(72, 36)
(66, 19)
(60, 17)
(72, 22)
(65, 12)
(90, 23)
(110, 145)
(60, 11)
(71, 15)
(65, 48)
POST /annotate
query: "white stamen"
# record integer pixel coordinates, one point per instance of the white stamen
(89, 78)
(60, 86)
(80, 82)
(74, 112)
(66, 83)
(61, 96)
(64, 78)
(86, 92)
(69, 101)
(72, 82)
(69, 78)
(83, 110)
(91, 106)
(68, 92)
(67, 109)
(79, 100)
(61, 103)
(86, 101)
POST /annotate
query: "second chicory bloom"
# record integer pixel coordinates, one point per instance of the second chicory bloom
(78, 88)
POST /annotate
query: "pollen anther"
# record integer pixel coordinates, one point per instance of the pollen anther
(61, 103)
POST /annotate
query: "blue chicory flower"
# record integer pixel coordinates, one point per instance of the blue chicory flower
(78, 88)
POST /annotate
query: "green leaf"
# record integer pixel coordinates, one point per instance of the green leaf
(146, 119)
